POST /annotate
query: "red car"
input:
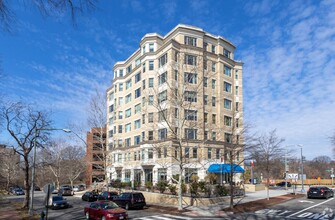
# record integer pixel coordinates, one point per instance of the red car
(105, 210)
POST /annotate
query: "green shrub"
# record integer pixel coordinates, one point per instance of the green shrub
(202, 186)
(183, 188)
(194, 188)
(221, 190)
(161, 186)
(148, 185)
(173, 189)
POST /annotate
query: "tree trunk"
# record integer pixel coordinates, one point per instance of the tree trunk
(27, 183)
(180, 196)
(267, 188)
(231, 188)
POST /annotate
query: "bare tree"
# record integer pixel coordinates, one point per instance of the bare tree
(46, 8)
(25, 125)
(97, 118)
(10, 161)
(267, 148)
(74, 162)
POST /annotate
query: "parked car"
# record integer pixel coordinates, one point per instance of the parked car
(18, 191)
(282, 184)
(59, 202)
(105, 210)
(130, 200)
(66, 191)
(107, 195)
(319, 192)
(90, 196)
(79, 187)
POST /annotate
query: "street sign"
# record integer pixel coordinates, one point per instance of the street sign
(332, 176)
(292, 176)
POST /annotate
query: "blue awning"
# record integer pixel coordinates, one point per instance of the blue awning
(225, 168)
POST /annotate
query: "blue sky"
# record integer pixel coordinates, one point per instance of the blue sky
(288, 50)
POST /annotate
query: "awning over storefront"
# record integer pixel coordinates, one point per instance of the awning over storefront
(225, 168)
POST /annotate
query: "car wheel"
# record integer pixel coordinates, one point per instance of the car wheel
(127, 206)
(87, 215)
(103, 218)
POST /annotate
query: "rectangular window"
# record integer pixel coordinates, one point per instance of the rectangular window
(143, 135)
(120, 100)
(162, 60)
(237, 122)
(143, 84)
(227, 120)
(213, 67)
(128, 127)
(227, 87)
(128, 98)
(190, 41)
(191, 134)
(150, 135)
(205, 99)
(111, 108)
(190, 78)
(217, 154)
(227, 71)
(151, 82)
(151, 117)
(195, 152)
(120, 87)
(214, 136)
(190, 60)
(162, 134)
(213, 101)
(128, 142)
(128, 84)
(137, 93)
(227, 104)
(176, 75)
(190, 96)
(129, 68)
(187, 152)
(150, 154)
(236, 107)
(138, 108)
(191, 115)
(162, 115)
(143, 67)
(138, 62)
(206, 135)
(162, 78)
(162, 96)
(150, 100)
(137, 139)
(228, 137)
(165, 152)
(120, 114)
(143, 118)
(213, 119)
(213, 48)
(209, 153)
(226, 53)
(151, 48)
(205, 117)
(236, 90)
(121, 73)
(137, 124)
(236, 74)
(120, 129)
(143, 101)
(213, 83)
(205, 81)
(128, 112)
(151, 65)
(138, 77)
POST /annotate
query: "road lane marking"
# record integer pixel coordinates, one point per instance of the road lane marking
(305, 201)
(310, 207)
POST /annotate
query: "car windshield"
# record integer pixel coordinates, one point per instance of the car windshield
(57, 198)
(110, 205)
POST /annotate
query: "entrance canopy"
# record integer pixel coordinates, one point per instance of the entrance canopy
(225, 168)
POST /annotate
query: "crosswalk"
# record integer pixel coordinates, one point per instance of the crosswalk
(163, 217)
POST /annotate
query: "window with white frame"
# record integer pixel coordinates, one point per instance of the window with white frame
(213, 119)
(227, 87)
(162, 96)
(227, 120)
(137, 139)
(137, 93)
(162, 134)
(205, 81)
(213, 101)
(128, 98)
(150, 135)
(120, 87)
(213, 83)
(162, 115)
(120, 129)
(151, 65)
(162, 60)
(128, 84)
(151, 82)
(128, 127)
(138, 62)
(138, 108)
(151, 117)
(120, 73)
(190, 59)
(213, 48)
(128, 142)
(120, 114)
(227, 71)
(120, 100)
(205, 99)
(151, 48)
(214, 136)
(191, 78)
(129, 68)
(190, 96)
(191, 115)
(190, 41)
(213, 67)
(228, 137)
(128, 113)
(191, 134)
(138, 77)
(236, 90)
(150, 100)
(227, 104)
(162, 78)
(226, 53)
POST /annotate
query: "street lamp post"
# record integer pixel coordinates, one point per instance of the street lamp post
(302, 169)
(32, 186)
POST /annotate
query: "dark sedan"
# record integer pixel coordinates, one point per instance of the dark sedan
(107, 195)
(58, 202)
(130, 200)
(18, 191)
(90, 196)
(320, 192)
(105, 210)
(282, 184)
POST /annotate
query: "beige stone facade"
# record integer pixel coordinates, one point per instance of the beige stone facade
(177, 96)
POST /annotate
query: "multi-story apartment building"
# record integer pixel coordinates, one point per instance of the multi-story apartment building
(95, 156)
(175, 107)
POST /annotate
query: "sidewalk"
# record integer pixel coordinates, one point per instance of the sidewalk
(7, 211)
